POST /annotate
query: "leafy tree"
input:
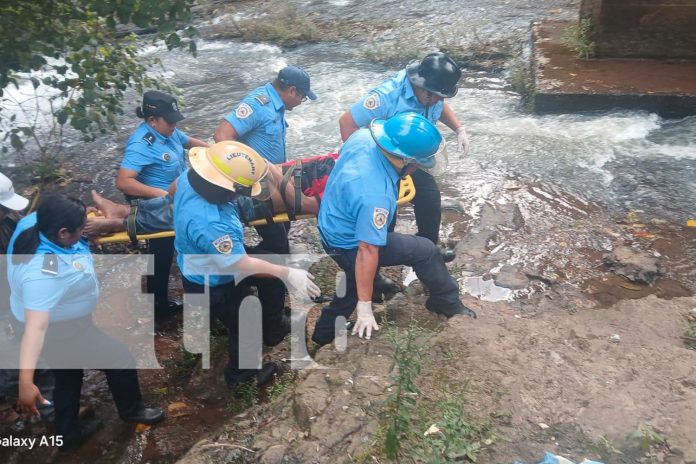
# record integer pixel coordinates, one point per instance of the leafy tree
(79, 58)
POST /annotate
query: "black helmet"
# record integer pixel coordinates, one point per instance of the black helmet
(436, 73)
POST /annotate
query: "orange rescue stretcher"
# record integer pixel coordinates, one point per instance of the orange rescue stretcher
(406, 193)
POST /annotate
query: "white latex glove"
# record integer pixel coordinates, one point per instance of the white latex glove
(462, 140)
(366, 320)
(303, 281)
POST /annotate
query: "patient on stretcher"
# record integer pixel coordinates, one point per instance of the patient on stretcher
(155, 214)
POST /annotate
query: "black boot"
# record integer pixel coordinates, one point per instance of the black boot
(87, 429)
(383, 288)
(450, 311)
(147, 416)
(448, 255)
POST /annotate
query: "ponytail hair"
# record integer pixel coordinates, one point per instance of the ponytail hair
(53, 214)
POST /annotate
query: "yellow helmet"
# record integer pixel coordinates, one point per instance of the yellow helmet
(230, 165)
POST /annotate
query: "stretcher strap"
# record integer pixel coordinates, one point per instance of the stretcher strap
(130, 223)
(296, 171)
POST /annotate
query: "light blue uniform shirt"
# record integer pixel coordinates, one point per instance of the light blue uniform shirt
(212, 231)
(157, 159)
(392, 97)
(360, 196)
(259, 121)
(72, 292)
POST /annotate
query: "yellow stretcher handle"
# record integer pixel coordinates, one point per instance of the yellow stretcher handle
(406, 193)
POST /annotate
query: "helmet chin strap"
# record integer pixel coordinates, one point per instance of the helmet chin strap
(428, 102)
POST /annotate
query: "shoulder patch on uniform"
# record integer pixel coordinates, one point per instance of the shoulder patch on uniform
(371, 102)
(262, 99)
(149, 138)
(223, 244)
(50, 264)
(243, 111)
(379, 217)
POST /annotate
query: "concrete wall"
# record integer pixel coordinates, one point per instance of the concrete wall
(643, 28)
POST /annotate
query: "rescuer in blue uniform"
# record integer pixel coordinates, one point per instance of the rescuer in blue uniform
(207, 225)
(54, 291)
(10, 206)
(259, 122)
(420, 88)
(359, 204)
(153, 159)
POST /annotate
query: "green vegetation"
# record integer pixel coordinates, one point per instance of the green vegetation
(690, 336)
(280, 386)
(393, 56)
(649, 441)
(242, 397)
(183, 365)
(408, 359)
(418, 429)
(453, 437)
(521, 79)
(606, 450)
(578, 38)
(282, 26)
(73, 63)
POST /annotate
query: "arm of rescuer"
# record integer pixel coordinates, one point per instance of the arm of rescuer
(127, 183)
(36, 325)
(300, 279)
(366, 264)
(225, 131)
(347, 125)
(449, 119)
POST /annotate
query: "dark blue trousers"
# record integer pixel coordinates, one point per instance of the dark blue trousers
(426, 205)
(409, 250)
(77, 341)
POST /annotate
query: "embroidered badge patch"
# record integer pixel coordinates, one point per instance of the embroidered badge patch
(166, 156)
(223, 244)
(371, 102)
(379, 217)
(78, 266)
(243, 111)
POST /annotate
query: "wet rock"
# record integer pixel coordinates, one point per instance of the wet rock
(637, 266)
(511, 276)
(415, 288)
(208, 452)
(311, 400)
(548, 277)
(449, 204)
(507, 216)
(473, 247)
(273, 455)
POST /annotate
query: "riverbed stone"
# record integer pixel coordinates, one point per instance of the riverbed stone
(511, 276)
(636, 265)
(273, 455)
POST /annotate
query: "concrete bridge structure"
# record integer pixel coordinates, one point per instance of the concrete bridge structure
(645, 58)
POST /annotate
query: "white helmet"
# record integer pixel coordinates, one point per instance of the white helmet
(8, 197)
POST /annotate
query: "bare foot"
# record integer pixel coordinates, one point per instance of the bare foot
(97, 226)
(110, 209)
